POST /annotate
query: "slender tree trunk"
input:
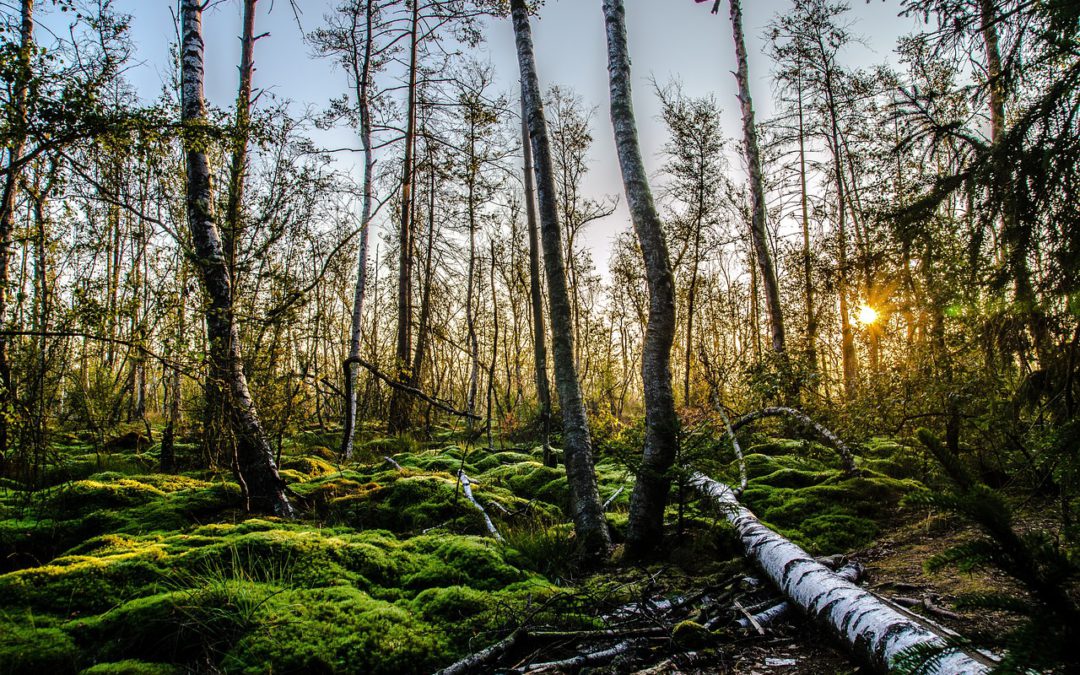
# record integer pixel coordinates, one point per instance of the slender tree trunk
(425, 296)
(361, 83)
(494, 349)
(645, 528)
(588, 515)
(847, 332)
(757, 187)
(473, 284)
(808, 278)
(254, 460)
(691, 300)
(7, 207)
(543, 390)
(167, 456)
(400, 402)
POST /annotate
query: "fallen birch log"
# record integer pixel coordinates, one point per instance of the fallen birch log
(832, 439)
(466, 486)
(878, 633)
(781, 610)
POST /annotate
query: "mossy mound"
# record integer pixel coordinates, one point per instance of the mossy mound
(260, 595)
(31, 649)
(51, 522)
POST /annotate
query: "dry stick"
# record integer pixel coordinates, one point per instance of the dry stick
(736, 447)
(877, 631)
(441, 405)
(393, 463)
(581, 660)
(476, 662)
(466, 486)
(749, 619)
(611, 499)
(780, 411)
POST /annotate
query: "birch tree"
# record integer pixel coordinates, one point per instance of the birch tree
(589, 523)
(263, 488)
(647, 502)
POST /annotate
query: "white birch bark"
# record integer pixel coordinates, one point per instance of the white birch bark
(876, 632)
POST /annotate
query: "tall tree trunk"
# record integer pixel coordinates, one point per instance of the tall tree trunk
(400, 402)
(645, 528)
(422, 331)
(757, 186)
(808, 278)
(588, 515)
(473, 283)
(847, 332)
(257, 472)
(7, 207)
(691, 300)
(167, 456)
(543, 390)
(361, 84)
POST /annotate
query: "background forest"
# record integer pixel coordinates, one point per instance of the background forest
(211, 306)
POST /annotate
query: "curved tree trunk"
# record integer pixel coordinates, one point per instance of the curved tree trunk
(264, 489)
(589, 523)
(875, 631)
(646, 525)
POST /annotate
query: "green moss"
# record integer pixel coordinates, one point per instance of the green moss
(336, 630)
(310, 466)
(472, 561)
(33, 650)
(691, 635)
(793, 478)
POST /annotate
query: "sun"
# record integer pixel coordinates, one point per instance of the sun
(867, 315)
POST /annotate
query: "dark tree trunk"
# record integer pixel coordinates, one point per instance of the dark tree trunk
(425, 296)
(808, 279)
(7, 205)
(588, 515)
(400, 402)
(543, 390)
(757, 187)
(255, 466)
(646, 525)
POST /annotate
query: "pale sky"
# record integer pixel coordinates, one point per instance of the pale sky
(668, 38)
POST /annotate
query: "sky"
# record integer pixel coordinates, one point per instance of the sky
(668, 39)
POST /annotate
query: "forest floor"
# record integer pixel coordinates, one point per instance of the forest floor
(109, 567)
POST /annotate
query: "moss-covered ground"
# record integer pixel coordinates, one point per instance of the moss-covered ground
(108, 567)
